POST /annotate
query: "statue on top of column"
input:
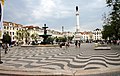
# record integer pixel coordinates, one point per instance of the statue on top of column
(76, 8)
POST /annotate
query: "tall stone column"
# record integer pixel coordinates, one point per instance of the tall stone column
(78, 20)
(77, 36)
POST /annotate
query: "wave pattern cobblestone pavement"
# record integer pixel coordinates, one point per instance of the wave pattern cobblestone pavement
(55, 59)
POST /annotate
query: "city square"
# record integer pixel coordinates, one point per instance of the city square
(60, 38)
(60, 61)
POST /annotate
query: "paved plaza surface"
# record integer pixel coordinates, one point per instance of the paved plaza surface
(61, 61)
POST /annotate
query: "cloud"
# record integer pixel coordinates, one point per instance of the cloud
(45, 9)
(50, 9)
(55, 13)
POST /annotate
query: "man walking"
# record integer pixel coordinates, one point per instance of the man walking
(5, 46)
(6, 41)
(76, 42)
(79, 43)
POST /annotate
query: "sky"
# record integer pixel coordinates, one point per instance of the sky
(56, 13)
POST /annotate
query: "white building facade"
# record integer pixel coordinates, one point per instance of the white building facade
(97, 34)
(11, 29)
(87, 36)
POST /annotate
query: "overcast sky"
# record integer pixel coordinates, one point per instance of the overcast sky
(56, 13)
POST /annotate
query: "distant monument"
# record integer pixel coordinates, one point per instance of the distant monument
(78, 20)
(45, 35)
(77, 36)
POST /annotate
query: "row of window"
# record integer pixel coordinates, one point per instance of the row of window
(10, 33)
(97, 33)
(11, 28)
(98, 37)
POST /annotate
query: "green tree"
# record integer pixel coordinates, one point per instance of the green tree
(61, 39)
(56, 39)
(50, 39)
(21, 34)
(26, 35)
(107, 32)
(34, 36)
(112, 27)
(70, 38)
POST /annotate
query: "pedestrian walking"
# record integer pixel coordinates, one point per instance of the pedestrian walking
(67, 44)
(79, 43)
(76, 42)
(5, 46)
(60, 44)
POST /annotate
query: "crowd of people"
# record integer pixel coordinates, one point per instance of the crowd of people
(113, 42)
(67, 44)
(77, 43)
(6, 43)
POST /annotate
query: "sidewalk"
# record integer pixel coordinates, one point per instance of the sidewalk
(60, 61)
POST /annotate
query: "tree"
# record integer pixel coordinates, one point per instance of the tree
(56, 39)
(61, 39)
(112, 27)
(34, 36)
(26, 36)
(21, 34)
(50, 39)
(70, 38)
(107, 32)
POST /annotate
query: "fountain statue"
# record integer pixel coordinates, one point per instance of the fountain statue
(45, 35)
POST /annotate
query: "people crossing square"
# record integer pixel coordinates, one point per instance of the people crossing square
(60, 59)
